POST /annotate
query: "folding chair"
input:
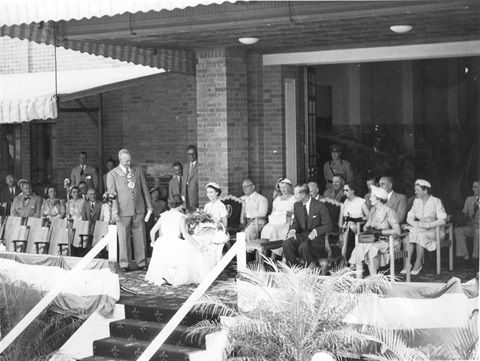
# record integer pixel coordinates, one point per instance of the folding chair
(89, 240)
(445, 241)
(13, 230)
(36, 232)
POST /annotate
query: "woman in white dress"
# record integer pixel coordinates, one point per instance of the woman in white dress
(279, 220)
(75, 204)
(426, 213)
(353, 210)
(215, 207)
(176, 260)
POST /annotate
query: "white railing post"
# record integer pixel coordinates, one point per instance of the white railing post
(50, 296)
(112, 245)
(189, 303)
(242, 251)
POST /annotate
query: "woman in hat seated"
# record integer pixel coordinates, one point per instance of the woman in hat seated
(215, 208)
(426, 213)
(177, 257)
(279, 220)
(381, 223)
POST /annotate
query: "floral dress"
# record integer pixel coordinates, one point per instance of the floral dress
(380, 217)
(53, 208)
(431, 211)
(74, 207)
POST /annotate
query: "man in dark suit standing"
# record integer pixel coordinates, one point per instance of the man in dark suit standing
(128, 210)
(395, 201)
(307, 232)
(84, 172)
(176, 183)
(92, 208)
(190, 186)
(8, 194)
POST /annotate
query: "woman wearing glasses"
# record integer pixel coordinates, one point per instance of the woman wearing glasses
(353, 210)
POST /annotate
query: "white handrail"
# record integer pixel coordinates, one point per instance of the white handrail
(110, 238)
(238, 249)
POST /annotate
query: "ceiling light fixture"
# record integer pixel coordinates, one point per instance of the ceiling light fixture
(401, 29)
(248, 41)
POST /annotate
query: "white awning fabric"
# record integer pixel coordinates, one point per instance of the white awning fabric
(29, 96)
(17, 12)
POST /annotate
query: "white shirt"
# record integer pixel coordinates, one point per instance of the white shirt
(389, 195)
(307, 205)
(256, 205)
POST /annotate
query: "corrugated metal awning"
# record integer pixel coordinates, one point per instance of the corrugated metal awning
(30, 96)
(17, 12)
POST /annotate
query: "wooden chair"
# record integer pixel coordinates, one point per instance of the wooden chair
(13, 230)
(402, 252)
(235, 210)
(89, 240)
(36, 232)
(57, 234)
(64, 240)
(82, 229)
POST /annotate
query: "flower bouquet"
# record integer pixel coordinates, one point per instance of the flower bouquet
(109, 197)
(199, 222)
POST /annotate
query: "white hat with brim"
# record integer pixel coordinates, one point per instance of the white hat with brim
(378, 192)
(423, 183)
(286, 181)
(212, 184)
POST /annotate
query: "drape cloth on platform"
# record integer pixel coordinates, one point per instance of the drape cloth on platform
(96, 288)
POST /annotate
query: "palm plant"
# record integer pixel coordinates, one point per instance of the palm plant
(43, 336)
(292, 313)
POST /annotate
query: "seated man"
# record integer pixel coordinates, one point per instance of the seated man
(92, 208)
(336, 191)
(395, 201)
(83, 190)
(470, 210)
(306, 236)
(256, 208)
(314, 190)
(27, 204)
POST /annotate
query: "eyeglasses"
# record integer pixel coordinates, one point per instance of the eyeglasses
(346, 190)
(190, 153)
(246, 186)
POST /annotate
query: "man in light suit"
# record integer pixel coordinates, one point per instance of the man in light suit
(395, 201)
(190, 184)
(92, 208)
(255, 210)
(8, 195)
(306, 235)
(84, 172)
(27, 204)
(128, 210)
(176, 183)
(470, 210)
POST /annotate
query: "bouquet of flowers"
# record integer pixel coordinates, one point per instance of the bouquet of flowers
(198, 221)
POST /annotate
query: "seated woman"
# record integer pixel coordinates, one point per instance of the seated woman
(52, 207)
(426, 213)
(381, 222)
(175, 260)
(215, 208)
(279, 220)
(159, 205)
(276, 191)
(353, 210)
(75, 204)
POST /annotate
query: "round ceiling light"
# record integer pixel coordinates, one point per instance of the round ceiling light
(248, 41)
(401, 29)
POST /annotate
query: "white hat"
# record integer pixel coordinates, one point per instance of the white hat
(286, 181)
(423, 183)
(212, 184)
(378, 192)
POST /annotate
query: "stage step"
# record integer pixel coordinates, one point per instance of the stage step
(147, 331)
(131, 349)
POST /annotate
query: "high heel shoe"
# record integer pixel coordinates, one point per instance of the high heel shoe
(414, 273)
(404, 271)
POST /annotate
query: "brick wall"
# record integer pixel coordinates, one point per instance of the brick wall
(13, 55)
(222, 120)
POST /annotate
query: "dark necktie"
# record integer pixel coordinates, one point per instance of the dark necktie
(12, 194)
(81, 171)
(475, 207)
(180, 185)
(306, 216)
(92, 206)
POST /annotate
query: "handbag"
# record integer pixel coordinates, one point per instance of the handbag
(220, 236)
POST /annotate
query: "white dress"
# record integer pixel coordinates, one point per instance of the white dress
(278, 231)
(175, 259)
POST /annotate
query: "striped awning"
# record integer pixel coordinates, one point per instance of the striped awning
(38, 21)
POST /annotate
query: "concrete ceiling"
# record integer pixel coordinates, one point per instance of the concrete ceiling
(285, 26)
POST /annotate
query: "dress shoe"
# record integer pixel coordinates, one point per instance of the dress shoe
(404, 271)
(143, 268)
(126, 269)
(416, 272)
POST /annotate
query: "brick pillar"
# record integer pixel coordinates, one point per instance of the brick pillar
(222, 129)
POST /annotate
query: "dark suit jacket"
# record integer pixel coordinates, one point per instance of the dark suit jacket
(190, 185)
(6, 197)
(173, 187)
(86, 214)
(398, 202)
(129, 201)
(318, 219)
(90, 176)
